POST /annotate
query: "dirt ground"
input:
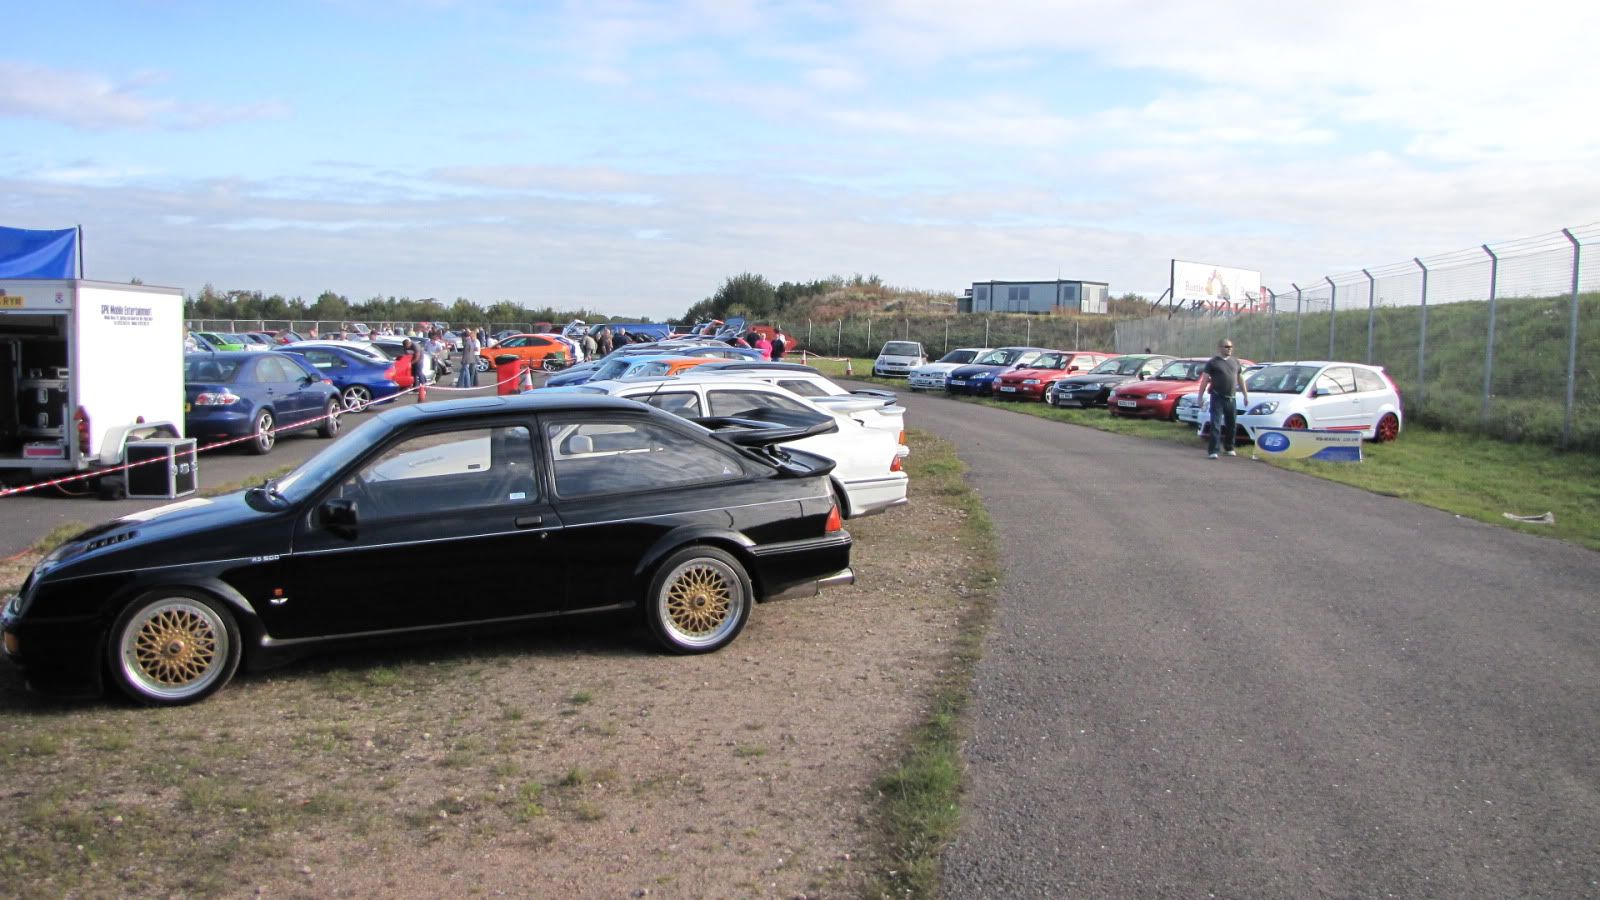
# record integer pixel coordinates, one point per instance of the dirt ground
(570, 762)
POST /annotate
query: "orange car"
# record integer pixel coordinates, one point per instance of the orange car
(540, 350)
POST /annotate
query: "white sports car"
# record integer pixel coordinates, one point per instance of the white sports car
(1335, 396)
(931, 376)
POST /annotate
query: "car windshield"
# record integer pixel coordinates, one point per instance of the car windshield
(999, 358)
(958, 356)
(901, 348)
(1280, 379)
(1182, 370)
(316, 471)
(210, 370)
(1049, 361)
(611, 368)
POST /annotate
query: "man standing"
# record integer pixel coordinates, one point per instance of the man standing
(469, 360)
(1222, 376)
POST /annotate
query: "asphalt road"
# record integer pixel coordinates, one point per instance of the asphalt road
(1217, 678)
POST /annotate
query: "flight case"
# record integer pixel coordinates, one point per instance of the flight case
(176, 474)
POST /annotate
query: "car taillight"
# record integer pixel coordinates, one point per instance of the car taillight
(835, 519)
(902, 436)
(219, 398)
(80, 419)
(894, 466)
(389, 375)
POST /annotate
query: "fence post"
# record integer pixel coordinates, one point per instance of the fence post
(1372, 312)
(986, 331)
(1028, 333)
(1333, 311)
(1572, 344)
(869, 334)
(1297, 304)
(838, 344)
(947, 335)
(1077, 338)
(808, 334)
(1488, 353)
(1422, 340)
(908, 328)
(1272, 324)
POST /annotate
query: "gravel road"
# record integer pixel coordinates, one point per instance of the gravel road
(1217, 678)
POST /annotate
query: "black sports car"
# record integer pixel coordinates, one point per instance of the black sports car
(625, 505)
(1093, 388)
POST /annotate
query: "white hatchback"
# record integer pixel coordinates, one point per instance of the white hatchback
(1332, 396)
(931, 376)
(898, 358)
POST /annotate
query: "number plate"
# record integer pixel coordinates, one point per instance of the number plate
(187, 407)
(958, 382)
(1008, 388)
(1127, 403)
(10, 301)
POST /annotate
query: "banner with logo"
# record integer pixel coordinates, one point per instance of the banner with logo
(1288, 443)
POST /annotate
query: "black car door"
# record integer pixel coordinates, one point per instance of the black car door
(622, 483)
(449, 522)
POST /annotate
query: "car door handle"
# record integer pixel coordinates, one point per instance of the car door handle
(528, 521)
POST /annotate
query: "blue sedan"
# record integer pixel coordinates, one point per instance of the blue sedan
(363, 377)
(262, 395)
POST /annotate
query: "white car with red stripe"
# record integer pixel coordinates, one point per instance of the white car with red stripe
(1331, 396)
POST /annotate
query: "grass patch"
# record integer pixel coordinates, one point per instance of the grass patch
(918, 802)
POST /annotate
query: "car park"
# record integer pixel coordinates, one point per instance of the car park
(931, 376)
(1033, 381)
(1157, 397)
(260, 395)
(361, 377)
(898, 358)
(1092, 388)
(542, 351)
(869, 478)
(978, 378)
(710, 349)
(1330, 396)
(687, 526)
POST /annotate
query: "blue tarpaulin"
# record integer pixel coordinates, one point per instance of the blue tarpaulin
(38, 254)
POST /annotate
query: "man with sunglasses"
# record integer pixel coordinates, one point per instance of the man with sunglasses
(1223, 377)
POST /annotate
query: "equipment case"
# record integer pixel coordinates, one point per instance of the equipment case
(176, 475)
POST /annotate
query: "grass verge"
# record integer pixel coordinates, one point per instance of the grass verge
(1471, 475)
(919, 800)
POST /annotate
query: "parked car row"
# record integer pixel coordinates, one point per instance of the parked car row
(1330, 395)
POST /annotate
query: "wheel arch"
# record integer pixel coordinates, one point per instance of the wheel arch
(251, 631)
(728, 541)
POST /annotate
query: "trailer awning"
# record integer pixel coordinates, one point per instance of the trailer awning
(38, 254)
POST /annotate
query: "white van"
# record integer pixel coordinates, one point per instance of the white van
(898, 358)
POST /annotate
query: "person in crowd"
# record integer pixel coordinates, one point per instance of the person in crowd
(468, 377)
(604, 340)
(1222, 376)
(780, 344)
(762, 344)
(414, 356)
(590, 346)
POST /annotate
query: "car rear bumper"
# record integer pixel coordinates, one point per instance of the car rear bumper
(841, 578)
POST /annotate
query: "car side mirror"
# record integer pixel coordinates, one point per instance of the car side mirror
(1316, 392)
(339, 516)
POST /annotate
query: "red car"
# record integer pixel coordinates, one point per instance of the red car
(1033, 382)
(1157, 398)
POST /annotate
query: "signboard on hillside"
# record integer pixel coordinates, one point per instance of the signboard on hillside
(1216, 288)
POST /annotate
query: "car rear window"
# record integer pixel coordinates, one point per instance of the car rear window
(209, 370)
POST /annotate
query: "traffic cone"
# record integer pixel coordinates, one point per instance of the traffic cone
(422, 391)
(849, 367)
(526, 384)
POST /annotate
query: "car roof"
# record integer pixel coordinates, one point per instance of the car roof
(229, 354)
(536, 401)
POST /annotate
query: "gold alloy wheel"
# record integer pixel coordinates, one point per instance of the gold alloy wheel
(699, 600)
(174, 649)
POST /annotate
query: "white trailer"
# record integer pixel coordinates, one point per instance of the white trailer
(85, 367)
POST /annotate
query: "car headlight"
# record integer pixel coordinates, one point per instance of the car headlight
(1155, 396)
(1264, 408)
(1187, 400)
(1030, 381)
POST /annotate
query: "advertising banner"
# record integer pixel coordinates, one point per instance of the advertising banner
(1216, 288)
(1326, 446)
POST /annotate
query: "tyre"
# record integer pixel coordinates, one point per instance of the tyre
(482, 365)
(173, 646)
(1388, 428)
(263, 433)
(356, 397)
(329, 426)
(1296, 422)
(698, 601)
(111, 487)
(550, 363)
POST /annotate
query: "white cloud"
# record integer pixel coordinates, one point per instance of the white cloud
(94, 102)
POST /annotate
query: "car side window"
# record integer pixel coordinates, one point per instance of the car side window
(593, 458)
(1367, 380)
(734, 402)
(324, 359)
(803, 388)
(272, 370)
(446, 471)
(1336, 381)
(679, 403)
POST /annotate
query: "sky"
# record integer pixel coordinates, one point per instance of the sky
(629, 156)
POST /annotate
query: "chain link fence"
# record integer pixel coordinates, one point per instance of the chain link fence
(1503, 339)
